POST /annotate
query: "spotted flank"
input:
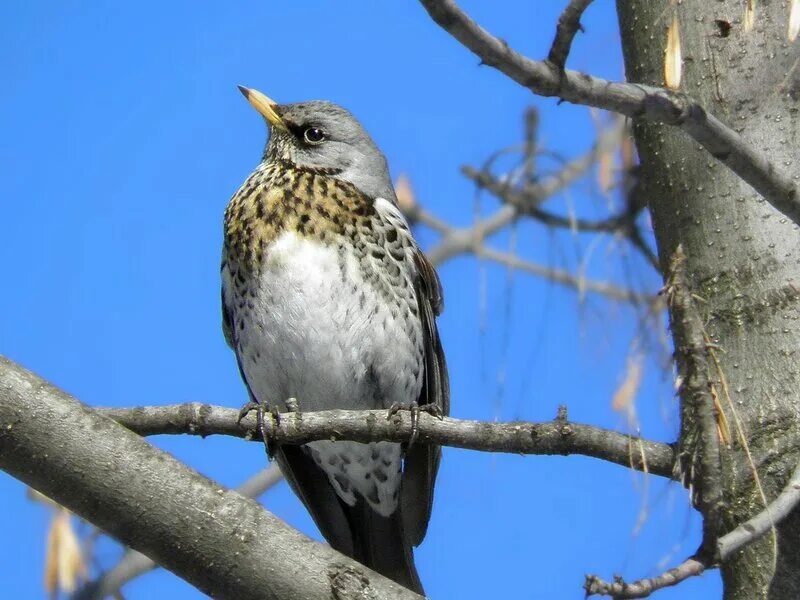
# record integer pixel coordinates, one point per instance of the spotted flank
(370, 470)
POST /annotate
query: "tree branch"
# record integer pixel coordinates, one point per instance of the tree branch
(725, 546)
(579, 283)
(134, 563)
(222, 543)
(557, 437)
(569, 23)
(633, 100)
(760, 524)
(643, 587)
(458, 241)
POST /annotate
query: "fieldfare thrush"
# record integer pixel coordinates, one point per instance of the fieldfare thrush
(327, 299)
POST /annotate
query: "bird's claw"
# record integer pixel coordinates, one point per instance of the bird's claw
(414, 409)
(275, 420)
(433, 410)
(246, 410)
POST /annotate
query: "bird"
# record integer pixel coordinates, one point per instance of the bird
(329, 303)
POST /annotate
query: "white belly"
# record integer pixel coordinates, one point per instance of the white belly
(313, 329)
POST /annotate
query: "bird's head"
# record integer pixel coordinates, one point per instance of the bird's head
(323, 135)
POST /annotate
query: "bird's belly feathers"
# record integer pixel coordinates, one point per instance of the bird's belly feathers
(314, 329)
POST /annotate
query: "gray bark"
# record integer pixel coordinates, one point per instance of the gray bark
(226, 545)
(743, 257)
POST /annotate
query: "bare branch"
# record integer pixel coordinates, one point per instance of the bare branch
(633, 100)
(517, 198)
(222, 543)
(459, 241)
(557, 437)
(731, 542)
(609, 290)
(759, 525)
(643, 587)
(569, 23)
(134, 563)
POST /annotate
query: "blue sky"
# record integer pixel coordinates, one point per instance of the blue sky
(124, 136)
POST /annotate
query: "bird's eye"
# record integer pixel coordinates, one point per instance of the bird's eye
(314, 135)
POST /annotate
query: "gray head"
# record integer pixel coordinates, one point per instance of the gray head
(323, 135)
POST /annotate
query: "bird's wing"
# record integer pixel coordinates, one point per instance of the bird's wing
(227, 321)
(421, 462)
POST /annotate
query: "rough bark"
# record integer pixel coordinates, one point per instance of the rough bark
(226, 545)
(743, 257)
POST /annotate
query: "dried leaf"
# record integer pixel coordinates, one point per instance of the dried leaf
(605, 171)
(673, 61)
(405, 195)
(64, 565)
(749, 15)
(794, 19)
(627, 153)
(626, 392)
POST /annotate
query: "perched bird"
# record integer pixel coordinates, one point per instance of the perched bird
(327, 299)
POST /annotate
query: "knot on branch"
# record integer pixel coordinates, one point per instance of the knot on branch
(671, 108)
(349, 583)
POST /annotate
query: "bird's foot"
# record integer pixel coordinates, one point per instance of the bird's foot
(414, 409)
(433, 410)
(264, 413)
(246, 410)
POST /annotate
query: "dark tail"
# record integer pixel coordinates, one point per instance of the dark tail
(380, 544)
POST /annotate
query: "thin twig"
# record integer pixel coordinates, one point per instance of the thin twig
(569, 23)
(528, 205)
(643, 587)
(632, 100)
(558, 437)
(581, 284)
(725, 547)
(459, 241)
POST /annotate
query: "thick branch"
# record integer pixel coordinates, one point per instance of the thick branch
(557, 437)
(224, 544)
(134, 563)
(633, 100)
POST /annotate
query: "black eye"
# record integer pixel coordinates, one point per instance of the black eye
(314, 135)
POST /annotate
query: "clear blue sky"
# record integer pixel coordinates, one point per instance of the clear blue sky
(123, 136)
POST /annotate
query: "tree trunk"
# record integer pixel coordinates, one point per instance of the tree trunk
(743, 257)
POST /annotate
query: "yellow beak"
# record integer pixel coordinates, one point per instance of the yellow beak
(265, 107)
